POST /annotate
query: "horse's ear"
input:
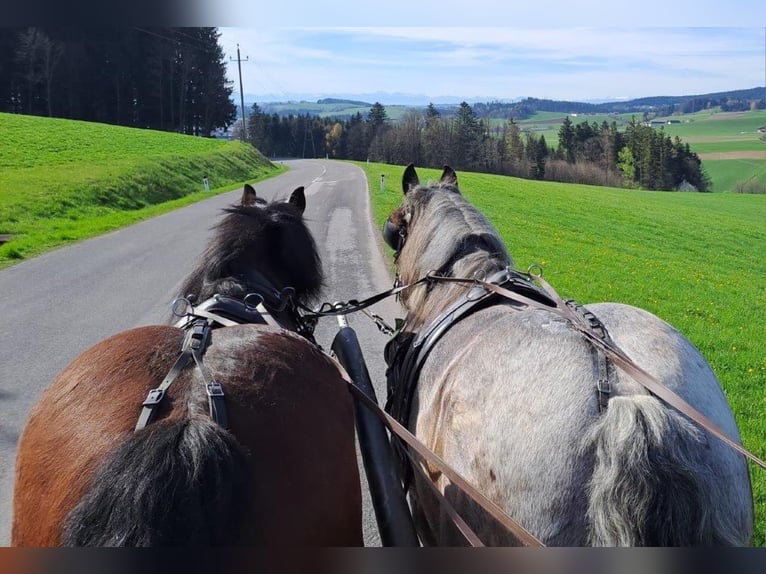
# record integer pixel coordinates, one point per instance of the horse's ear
(449, 177)
(410, 178)
(298, 199)
(248, 195)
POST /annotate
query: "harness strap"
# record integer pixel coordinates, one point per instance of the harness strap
(193, 347)
(214, 390)
(603, 387)
(155, 396)
(197, 313)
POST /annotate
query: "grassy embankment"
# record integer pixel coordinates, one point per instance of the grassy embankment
(695, 260)
(63, 180)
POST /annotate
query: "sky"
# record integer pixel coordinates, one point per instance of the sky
(482, 50)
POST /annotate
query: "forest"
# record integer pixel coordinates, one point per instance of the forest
(171, 79)
(598, 154)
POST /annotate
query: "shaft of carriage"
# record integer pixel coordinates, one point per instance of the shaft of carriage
(388, 497)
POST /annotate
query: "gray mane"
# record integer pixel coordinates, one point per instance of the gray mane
(448, 235)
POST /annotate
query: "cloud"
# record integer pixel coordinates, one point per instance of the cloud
(500, 62)
(440, 13)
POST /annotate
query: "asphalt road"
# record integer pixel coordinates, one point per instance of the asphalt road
(57, 305)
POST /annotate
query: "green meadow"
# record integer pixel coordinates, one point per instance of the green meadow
(63, 180)
(695, 260)
(728, 143)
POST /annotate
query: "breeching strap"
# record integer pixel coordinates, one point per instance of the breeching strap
(617, 355)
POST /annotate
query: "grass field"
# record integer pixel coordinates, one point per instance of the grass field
(728, 143)
(709, 133)
(63, 180)
(695, 260)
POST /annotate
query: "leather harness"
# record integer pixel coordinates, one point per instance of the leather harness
(406, 353)
(197, 322)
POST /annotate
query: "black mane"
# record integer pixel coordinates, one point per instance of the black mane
(266, 246)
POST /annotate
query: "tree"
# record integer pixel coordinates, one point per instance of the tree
(160, 78)
(333, 139)
(377, 117)
(467, 138)
(409, 144)
(541, 153)
(625, 163)
(567, 140)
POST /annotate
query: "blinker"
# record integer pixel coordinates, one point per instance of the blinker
(392, 236)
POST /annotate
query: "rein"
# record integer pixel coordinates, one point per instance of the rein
(523, 535)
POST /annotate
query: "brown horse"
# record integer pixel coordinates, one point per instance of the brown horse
(281, 469)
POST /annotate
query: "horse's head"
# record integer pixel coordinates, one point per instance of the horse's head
(259, 246)
(436, 230)
(396, 227)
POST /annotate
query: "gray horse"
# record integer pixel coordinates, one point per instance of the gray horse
(507, 397)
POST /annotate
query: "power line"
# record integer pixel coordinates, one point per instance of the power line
(199, 47)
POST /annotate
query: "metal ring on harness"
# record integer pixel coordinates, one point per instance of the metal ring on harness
(252, 300)
(179, 311)
(284, 296)
(535, 270)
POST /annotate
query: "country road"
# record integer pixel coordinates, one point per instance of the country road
(57, 305)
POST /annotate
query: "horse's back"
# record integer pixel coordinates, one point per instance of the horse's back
(522, 430)
(287, 406)
(290, 407)
(74, 424)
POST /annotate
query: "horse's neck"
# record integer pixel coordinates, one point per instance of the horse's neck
(427, 303)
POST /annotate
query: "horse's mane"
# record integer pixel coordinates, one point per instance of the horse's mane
(257, 246)
(448, 235)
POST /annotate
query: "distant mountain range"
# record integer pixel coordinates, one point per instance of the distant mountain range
(520, 108)
(386, 98)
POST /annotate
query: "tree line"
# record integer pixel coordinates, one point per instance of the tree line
(596, 154)
(171, 79)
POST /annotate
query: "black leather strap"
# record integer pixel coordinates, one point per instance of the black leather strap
(193, 347)
(155, 396)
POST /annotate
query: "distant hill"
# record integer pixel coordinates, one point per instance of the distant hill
(341, 101)
(735, 100)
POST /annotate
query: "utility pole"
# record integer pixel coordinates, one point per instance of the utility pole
(241, 93)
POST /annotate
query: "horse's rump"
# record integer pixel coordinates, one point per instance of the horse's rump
(528, 433)
(183, 479)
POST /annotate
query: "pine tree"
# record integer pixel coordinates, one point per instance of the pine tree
(567, 140)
